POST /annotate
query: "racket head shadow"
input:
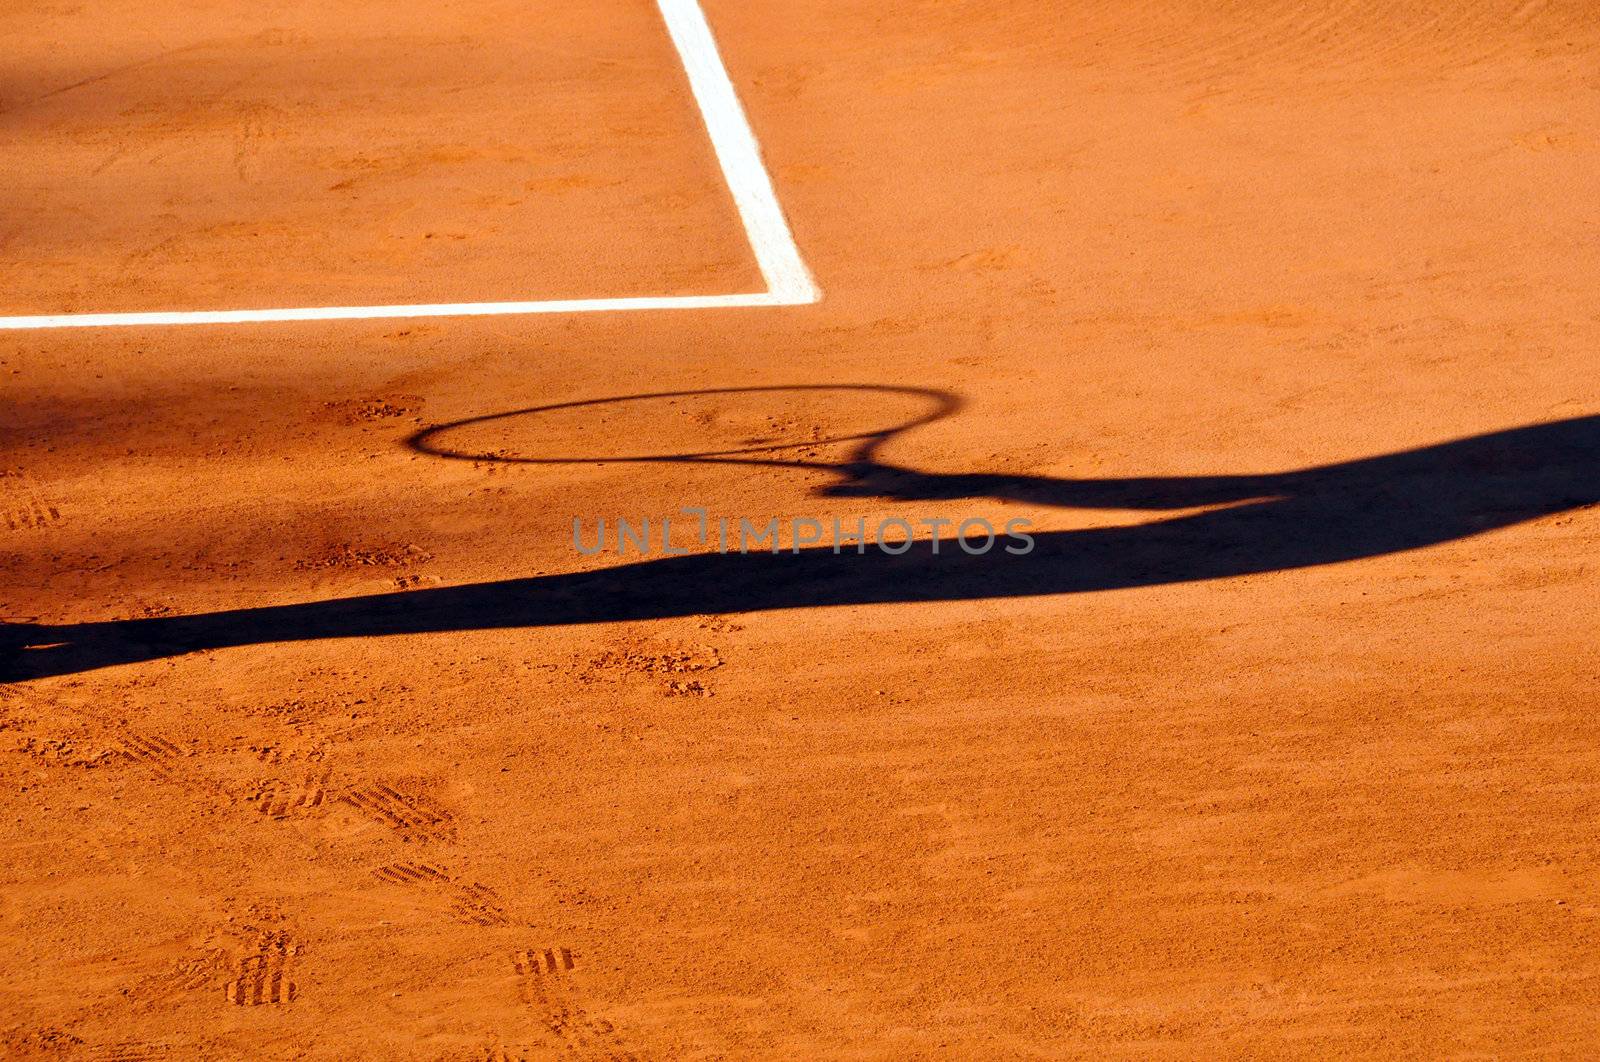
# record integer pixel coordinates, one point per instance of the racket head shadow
(674, 426)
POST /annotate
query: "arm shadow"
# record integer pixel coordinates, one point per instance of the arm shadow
(1323, 515)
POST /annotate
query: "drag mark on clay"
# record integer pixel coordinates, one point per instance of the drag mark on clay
(257, 124)
(131, 1051)
(117, 71)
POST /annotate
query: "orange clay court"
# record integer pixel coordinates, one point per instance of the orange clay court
(494, 560)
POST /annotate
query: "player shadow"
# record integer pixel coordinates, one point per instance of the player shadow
(1271, 522)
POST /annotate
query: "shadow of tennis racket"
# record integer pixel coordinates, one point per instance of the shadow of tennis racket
(588, 431)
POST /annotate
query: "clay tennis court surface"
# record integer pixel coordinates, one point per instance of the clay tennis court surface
(1276, 319)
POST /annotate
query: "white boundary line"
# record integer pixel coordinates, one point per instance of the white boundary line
(789, 282)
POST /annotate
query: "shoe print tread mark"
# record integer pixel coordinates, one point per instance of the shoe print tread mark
(479, 905)
(146, 748)
(21, 506)
(156, 753)
(127, 1052)
(587, 1038)
(411, 874)
(413, 816)
(161, 757)
(474, 904)
(35, 514)
(281, 800)
(545, 984)
(192, 975)
(538, 971)
(263, 978)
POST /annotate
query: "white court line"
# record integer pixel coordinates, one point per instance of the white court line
(789, 282)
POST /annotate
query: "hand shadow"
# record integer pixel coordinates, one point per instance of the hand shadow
(1272, 522)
